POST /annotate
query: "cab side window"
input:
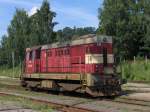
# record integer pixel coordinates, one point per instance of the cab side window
(27, 56)
(38, 54)
(30, 55)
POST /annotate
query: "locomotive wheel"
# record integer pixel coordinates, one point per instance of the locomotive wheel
(104, 91)
(23, 83)
(93, 92)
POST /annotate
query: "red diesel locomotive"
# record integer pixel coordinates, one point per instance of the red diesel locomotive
(83, 65)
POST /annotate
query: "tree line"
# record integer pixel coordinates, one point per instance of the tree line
(27, 31)
(127, 21)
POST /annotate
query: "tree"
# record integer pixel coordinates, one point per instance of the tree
(68, 33)
(125, 21)
(18, 34)
(3, 50)
(65, 34)
(42, 25)
(25, 31)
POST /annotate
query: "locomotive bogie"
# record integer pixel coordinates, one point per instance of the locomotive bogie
(101, 86)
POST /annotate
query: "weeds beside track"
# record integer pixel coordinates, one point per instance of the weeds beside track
(75, 106)
(58, 106)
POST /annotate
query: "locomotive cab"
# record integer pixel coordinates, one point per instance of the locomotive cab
(33, 60)
(103, 77)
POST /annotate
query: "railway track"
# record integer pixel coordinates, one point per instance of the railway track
(15, 109)
(130, 101)
(141, 82)
(74, 107)
(57, 106)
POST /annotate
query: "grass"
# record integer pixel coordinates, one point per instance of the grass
(9, 72)
(138, 70)
(24, 103)
(35, 106)
(19, 90)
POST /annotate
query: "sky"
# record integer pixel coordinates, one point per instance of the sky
(79, 13)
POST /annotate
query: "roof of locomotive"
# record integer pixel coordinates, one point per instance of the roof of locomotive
(86, 39)
(33, 48)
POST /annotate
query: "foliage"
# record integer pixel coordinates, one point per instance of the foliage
(18, 32)
(25, 103)
(9, 72)
(72, 33)
(3, 55)
(28, 31)
(42, 25)
(128, 21)
(25, 31)
(138, 70)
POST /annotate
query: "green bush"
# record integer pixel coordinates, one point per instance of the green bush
(9, 72)
(138, 70)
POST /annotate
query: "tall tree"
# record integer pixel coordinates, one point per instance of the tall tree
(18, 34)
(3, 50)
(42, 24)
(125, 20)
(65, 34)
(25, 31)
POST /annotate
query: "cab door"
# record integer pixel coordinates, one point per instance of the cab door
(37, 61)
(105, 59)
(29, 62)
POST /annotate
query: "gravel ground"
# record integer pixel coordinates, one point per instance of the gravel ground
(7, 106)
(137, 85)
(9, 81)
(107, 106)
(138, 91)
(18, 104)
(99, 105)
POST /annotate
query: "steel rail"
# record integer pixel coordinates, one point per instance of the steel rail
(57, 106)
(130, 101)
(9, 109)
(74, 108)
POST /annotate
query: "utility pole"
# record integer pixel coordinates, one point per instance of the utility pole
(20, 67)
(13, 62)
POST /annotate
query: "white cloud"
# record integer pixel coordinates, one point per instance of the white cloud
(33, 10)
(27, 3)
